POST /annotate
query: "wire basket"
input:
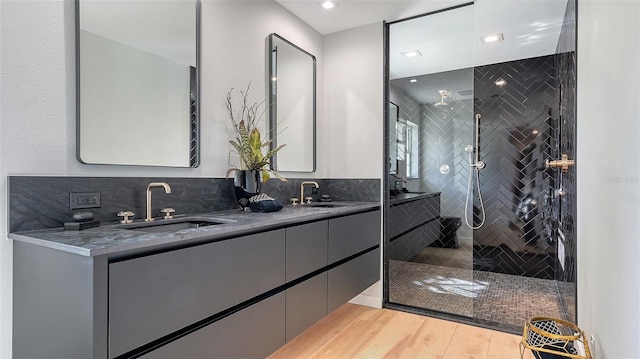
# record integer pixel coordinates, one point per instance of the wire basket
(553, 338)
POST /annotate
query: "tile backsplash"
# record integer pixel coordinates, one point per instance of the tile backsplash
(362, 190)
(38, 202)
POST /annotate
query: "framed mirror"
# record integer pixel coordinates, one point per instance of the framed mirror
(292, 105)
(137, 81)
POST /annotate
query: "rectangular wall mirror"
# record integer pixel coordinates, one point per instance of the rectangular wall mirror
(292, 105)
(137, 82)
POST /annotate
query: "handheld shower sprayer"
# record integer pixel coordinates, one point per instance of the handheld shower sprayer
(478, 165)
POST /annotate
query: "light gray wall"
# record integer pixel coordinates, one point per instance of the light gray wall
(350, 133)
(608, 168)
(233, 54)
(37, 103)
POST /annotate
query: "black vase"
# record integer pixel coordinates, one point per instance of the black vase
(247, 184)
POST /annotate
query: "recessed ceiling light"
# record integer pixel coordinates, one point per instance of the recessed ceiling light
(328, 5)
(500, 82)
(412, 53)
(491, 38)
(413, 80)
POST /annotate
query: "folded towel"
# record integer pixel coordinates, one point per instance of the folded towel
(264, 203)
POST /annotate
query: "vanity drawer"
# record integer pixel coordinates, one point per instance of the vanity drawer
(306, 249)
(306, 305)
(252, 333)
(153, 296)
(409, 215)
(350, 279)
(352, 234)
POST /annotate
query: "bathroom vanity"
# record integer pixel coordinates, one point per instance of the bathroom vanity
(239, 288)
(415, 223)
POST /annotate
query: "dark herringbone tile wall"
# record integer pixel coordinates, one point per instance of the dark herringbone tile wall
(518, 131)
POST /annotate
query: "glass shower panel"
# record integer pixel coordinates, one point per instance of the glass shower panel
(517, 99)
(484, 95)
(429, 252)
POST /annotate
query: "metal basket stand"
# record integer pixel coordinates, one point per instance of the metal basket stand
(553, 336)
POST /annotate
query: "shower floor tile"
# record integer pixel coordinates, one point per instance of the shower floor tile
(461, 257)
(445, 289)
(483, 296)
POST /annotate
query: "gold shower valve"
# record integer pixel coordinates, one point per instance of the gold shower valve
(563, 163)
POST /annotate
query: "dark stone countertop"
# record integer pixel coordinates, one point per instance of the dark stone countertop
(110, 240)
(410, 196)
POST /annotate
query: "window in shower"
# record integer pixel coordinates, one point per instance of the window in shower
(412, 143)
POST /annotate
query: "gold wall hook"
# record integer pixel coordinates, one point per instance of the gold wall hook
(564, 163)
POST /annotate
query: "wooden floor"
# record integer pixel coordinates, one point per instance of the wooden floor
(354, 331)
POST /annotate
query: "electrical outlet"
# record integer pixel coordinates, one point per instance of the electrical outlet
(78, 200)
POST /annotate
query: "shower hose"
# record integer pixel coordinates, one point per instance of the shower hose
(473, 168)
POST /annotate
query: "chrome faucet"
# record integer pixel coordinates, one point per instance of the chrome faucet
(313, 183)
(167, 189)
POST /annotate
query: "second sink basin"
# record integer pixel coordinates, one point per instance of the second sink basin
(174, 224)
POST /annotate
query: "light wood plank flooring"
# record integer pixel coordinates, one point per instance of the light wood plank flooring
(355, 331)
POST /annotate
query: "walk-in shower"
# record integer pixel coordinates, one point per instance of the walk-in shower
(482, 231)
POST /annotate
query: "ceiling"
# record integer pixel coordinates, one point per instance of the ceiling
(448, 40)
(354, 13)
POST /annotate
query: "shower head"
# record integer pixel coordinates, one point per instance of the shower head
(444, 94)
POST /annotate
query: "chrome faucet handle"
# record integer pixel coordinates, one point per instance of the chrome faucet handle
(309, 199)
(168, 212)
(294, 201)
(126, 215)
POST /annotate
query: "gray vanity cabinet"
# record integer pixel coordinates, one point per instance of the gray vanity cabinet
(413, 213)
(306, 247)
(352, 234)
(155, 295)
(414, 225)
(252, 333)
(236, 297)
(404, 247)
(306, 252)
(349, 236)
(351, 278)
(306, 305)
